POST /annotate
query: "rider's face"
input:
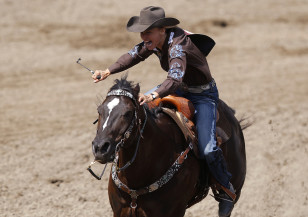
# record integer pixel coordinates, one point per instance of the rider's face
(153, 38)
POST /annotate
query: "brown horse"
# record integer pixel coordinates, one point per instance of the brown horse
(153, 174)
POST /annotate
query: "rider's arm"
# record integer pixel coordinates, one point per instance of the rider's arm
(133, 57)
(177, 68)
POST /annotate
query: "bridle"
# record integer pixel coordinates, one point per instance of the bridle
(127, 134)
(129, 130)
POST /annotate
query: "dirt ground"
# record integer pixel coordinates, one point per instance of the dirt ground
(48, 102)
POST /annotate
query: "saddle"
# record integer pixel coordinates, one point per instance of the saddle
(181, 110)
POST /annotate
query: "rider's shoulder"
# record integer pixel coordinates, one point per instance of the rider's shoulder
(176, 36)
(139, 50)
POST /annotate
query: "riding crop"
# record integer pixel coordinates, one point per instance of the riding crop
(78, 61)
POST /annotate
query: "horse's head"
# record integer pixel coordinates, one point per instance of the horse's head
(117, 117)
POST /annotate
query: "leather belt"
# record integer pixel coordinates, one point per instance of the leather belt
(201, 88)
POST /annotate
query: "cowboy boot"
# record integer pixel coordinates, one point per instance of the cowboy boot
(226, 203)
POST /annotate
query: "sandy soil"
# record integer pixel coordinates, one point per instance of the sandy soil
(48, 102)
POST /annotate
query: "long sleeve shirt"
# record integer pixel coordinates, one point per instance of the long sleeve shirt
(179, 56)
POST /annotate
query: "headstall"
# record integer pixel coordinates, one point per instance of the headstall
(126, 135)
(120, 92)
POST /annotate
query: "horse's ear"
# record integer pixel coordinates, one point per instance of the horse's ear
(136, 89)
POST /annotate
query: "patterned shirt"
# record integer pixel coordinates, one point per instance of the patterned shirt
(179, 56)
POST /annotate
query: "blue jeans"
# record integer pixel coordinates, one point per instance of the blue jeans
(205, 104)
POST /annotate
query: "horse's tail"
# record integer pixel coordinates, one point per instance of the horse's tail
(243, 121)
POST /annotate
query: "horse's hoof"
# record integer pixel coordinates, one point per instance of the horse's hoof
(225, 208)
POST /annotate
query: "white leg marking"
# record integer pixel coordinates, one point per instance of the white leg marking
(111, 105)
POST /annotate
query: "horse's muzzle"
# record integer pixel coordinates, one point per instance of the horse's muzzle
(103, 151)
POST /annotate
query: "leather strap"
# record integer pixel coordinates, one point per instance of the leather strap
(232, 195)
(154, 186)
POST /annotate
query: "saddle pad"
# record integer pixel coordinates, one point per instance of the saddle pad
(187, 127)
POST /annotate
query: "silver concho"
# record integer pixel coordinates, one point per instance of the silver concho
(153, 187)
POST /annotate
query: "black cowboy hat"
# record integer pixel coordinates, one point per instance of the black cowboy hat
(150, 17)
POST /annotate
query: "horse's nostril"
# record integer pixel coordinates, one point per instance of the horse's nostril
(104, 147)
(100, 148)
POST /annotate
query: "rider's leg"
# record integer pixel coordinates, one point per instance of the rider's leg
(205, 104)
(205, 119)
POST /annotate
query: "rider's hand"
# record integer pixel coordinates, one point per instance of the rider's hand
(103, 74)
(142, 98)
(146, 98)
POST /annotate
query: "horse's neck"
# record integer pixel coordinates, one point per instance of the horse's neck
(155, 155)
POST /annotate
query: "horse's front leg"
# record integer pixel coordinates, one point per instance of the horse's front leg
(119, 204)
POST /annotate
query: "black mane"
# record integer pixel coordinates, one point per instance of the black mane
(124, 84)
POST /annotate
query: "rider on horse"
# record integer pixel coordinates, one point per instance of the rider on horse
(188, 76)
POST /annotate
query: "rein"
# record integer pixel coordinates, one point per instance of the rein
(129, 130)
